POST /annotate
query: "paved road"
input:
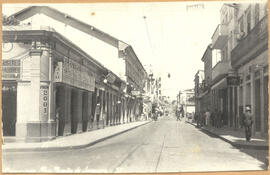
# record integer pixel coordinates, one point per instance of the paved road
(162, 146)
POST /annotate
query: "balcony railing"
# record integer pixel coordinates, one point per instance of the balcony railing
(220, 68)
(220, 37)
(27, 27)
(255, 42)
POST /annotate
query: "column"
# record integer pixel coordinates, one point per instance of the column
(74, 111)
(89, 112)
(113, 111)
(108, 108)
(111, 108)
(238, 112)
(252, 100)
(61, 107)
(94, 101)
(67, 128)
(101, 121)
(228, 107)
(28, 116)
(262, 96)
(85, 105)
(232, 107)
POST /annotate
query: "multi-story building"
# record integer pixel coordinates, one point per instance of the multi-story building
(198, 91)
(206, 96)
(249, 59)
(68, 91)
(239, 73)
(187, 100)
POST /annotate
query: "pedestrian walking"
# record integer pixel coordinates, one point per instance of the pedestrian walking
(248, 123)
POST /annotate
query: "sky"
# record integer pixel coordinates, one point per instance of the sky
(168, 37)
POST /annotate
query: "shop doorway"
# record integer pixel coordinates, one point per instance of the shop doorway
(257, 106)
(74, 111)
(85, 106)
(9, 108)
(266, 104)
(60, 109)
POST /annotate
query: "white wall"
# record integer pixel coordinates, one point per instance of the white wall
(99, 50)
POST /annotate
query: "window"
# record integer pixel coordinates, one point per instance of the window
(230, 14)
(248, 21)
(224, 53)
(265, 8)
(231, 40)
(257, 13)
(241, 24)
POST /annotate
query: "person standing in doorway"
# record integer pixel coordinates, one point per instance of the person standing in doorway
(248, 123)
(57, 119)
(98, 114)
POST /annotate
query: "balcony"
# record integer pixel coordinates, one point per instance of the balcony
(220, 37)
(27, 27)
(220, 69)
(251, 45)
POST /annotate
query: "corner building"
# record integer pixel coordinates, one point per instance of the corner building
(64, 87)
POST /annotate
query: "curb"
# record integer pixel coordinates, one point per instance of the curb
(237, 145)
(71, 147)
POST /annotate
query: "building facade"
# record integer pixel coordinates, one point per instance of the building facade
(240, 65)
(187, 101)
(249, 59)
(68, 90)
(198, 91)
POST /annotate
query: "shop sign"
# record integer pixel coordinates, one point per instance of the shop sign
(11, 69)
(233, 81)
(11, 87)
(74, 74)
(110, 77)
(44, 102)
(58, 72)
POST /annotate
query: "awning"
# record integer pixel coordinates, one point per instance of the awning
(202, 94)
(221, 84)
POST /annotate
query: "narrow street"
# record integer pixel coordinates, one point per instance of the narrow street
(166, 145)
(128, 87)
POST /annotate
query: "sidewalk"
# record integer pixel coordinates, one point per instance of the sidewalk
(76, 141)
(237, 137)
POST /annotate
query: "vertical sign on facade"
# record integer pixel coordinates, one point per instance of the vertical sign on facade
(44, 102)
(58, 72)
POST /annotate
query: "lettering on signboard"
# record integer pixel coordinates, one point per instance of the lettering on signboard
(11, 69)
(74, 74)
(44, 101)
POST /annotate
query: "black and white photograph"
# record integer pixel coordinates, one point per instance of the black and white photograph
(135, 87)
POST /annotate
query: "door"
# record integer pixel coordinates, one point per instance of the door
(9, 108)
(266, 104)
(257, 106)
